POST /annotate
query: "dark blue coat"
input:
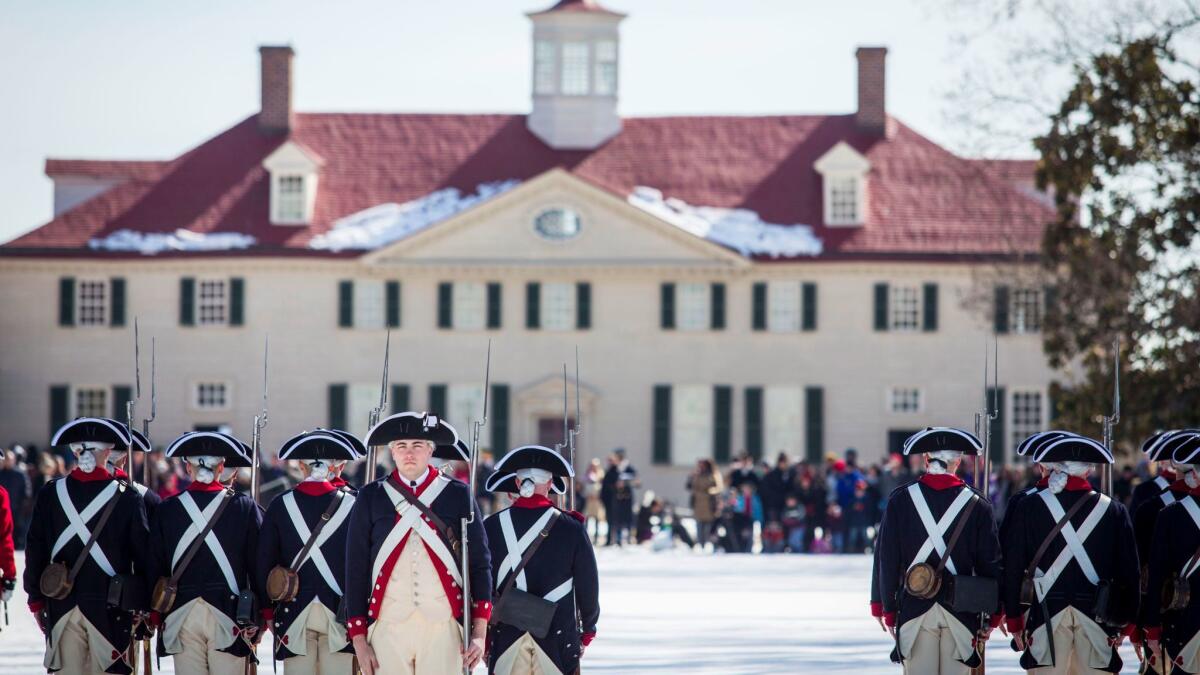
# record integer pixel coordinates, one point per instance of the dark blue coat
(123, 541)
(1175, 541)
(566, 554)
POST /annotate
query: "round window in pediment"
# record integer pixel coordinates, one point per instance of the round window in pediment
(558, 224)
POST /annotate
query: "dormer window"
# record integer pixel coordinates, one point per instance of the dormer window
(293, 170)
(844, 185)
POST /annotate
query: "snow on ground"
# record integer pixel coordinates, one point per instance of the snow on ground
(739, 229)
(678, 612)
(387, 223)
(151, 243)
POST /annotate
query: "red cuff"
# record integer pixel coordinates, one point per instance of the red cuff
(889, 619)
(1016, 624)
(577, 516)
(155, 619)
(1153, 633)
(356, 626)
(36, 606)
(996, 621)
(268, 614)
(877, 609)
(1129, 630)
(481, 610)
(587, 638)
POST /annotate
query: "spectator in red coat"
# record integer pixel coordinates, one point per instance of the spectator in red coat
(8, 561)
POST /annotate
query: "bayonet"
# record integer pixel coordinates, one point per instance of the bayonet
(260, 422)
(376, 413)
(472, 470)
(153, 410)
(1111, 420)
(576, 429)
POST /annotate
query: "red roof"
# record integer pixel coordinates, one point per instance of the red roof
(924, 202)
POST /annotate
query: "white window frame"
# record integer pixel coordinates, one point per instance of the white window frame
(693, 306)
(575, 67)
(545, 67)
(557, 306)
(199, 306)
(899, 312)
(105, 304)
(844, 193)
(691, 423)
(468, 305)
(198, 405)
(892, 400)
(1018, 433)
(369, 303)
(839, 166)
(292, 160)
(77, 392)
(1026, 299)
(605, 57)
(784, 306)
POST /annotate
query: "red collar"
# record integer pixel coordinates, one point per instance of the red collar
(1044, 482)
(1169, 475)
(1077, 484)
(197, 486)
(426, 481)
(120, 473)
(941, 481)
(534, 502)
(338, 482)
(315, 488)
(99, 473)
(1180, 486)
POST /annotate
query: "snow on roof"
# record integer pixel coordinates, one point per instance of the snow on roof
(739, 229)
(150, 243)
(388, 223)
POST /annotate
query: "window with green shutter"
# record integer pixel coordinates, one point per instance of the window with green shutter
(337, 406)
(494, 308)
(662, 424)
(814, 424)
(999, 442)
(1000, 309)
(533, 298)
(722, 423)
(808, 306)
(583, 305)
(930, 310)
(667, 306)
(400, 399)
(754, 421)
(758, 306)
(881, 307)
(237, 301)
(66, 302)
(187, 301)
(60, 406)
(437, 400)
(498, 418)
(346, 304)
(116, 316)
(445, 305)
(392, 300)
(717, 297)
(121, 394)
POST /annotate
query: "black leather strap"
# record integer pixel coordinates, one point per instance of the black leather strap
(226, 497)
(542, 536)
(447, 533)
(94, 534)
(312, 537)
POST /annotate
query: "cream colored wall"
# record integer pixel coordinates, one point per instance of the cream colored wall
(623, 355)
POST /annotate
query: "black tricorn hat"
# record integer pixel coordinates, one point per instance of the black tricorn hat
(1186, 447)
(411, 426)
(355, 442)
(318, 444)
(1073, 448)
(504, 478)
(1152, 447)
(1030, 446)
(457, 451)
(508, 483)
(938, 439)
(92, 430)
(140, 442)
(211, 443)
(1168, 443)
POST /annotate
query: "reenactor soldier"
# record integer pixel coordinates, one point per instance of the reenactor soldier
(1171, 613)
(547, 587)
(1071, 568)
(87, 538)
(938, 562)
(337, 468)
(119, 459)
(1145, 491)
(404, 582)
(1024, 449)
(203, 545)
(301, 565)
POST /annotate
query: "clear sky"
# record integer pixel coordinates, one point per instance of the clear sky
(144, 79)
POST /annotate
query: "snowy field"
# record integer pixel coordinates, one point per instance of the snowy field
(678, 612)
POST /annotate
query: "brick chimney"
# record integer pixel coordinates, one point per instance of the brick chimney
(276, 114)
(871, 116)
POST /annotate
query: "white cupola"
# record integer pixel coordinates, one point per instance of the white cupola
(575, 65)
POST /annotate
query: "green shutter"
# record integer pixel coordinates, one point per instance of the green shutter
(814, 424)
(121, 394)
(717, 300)
(667, 307)
(60, 406)
(392, 296)
(662, 424)
(400, 398)
(337, 406)
(437, 400)
(445, 305)
(494, 308)
(930, 308)
(66, 302)
(999, 446)
(881, 307)
(758, 306)
(498, 419)
(754, 421)
(237, 301)
(116, 315)
(1001, 310)
(187, 301)
(583, 305)
(1049, 302)
(808, 310)
(345, 304)
(722, 423)
(533, 312)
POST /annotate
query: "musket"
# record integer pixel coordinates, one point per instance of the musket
(376, 413)
(472, 467)
(129, 408)
(153, 410)
(260, 422)
(137, 396)
(983, 473)
(1110, 421)
(576, 429)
